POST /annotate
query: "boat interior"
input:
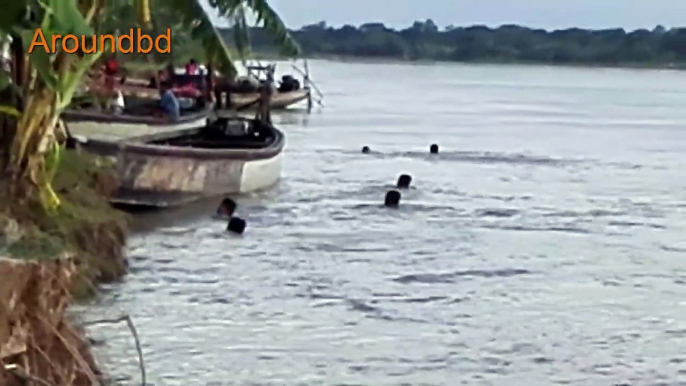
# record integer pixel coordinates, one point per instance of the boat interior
(141, 97)
(142, 113)
(140, 109)
(227, 133)
(145, 107)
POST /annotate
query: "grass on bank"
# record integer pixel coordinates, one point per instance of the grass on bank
(85, 225)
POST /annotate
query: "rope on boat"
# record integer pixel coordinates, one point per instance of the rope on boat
(310, 83)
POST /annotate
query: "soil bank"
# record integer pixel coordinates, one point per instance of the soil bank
(46, 261)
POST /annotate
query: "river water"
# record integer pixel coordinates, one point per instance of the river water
(544, 245)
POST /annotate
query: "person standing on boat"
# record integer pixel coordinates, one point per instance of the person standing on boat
(195, 78)
(202, 70)
(201, 83)
(111, 67)
(114, 99)
(266, 92)
(118, 105)
(192, 68)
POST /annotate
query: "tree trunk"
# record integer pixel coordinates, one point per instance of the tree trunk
(34, 138)
(8, 126)
(10, 97)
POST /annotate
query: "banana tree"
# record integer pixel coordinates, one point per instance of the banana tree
(46, 90)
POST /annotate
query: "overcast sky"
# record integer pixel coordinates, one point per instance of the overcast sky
(549, 14)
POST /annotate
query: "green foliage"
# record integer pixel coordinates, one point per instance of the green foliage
(202, 30)
(275, 27)
(508, 43)
(237, 12)
(57, 17)
(193, 33)
(40, 246)
(85, 224)
(12, 15)
(4, 80)
(9, 110)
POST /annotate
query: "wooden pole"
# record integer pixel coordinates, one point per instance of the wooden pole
(306, 83)
(266, 91)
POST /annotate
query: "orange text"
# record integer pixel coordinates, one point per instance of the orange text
(130, 43)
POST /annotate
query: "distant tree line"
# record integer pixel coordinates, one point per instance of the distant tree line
(506, 44)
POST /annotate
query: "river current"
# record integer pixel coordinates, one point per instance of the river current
(544, 245)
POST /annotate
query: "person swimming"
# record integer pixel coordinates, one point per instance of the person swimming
(227, 208)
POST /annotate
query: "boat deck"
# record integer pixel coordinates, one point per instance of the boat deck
(118, 132)
(131, 130)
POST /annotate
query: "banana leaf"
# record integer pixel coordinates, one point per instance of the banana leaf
(5, 80)
(12, 14)
(202, 29)
(9, 110)
(272, 23)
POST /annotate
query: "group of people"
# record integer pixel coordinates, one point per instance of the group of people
(192, 85)
(193, 68)
(195, 84)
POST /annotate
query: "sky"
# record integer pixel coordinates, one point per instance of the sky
(548, 14)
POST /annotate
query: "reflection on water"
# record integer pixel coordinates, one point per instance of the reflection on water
(543, 245)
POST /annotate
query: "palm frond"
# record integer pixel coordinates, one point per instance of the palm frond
(266, 17)
(272, 23)
(193, 15)
(190, 16)
(241, 32)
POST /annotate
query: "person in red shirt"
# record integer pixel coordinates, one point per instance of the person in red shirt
(111, 67)
(192, 67)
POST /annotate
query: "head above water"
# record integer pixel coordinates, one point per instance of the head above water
(392, 199)
(404, 181)
(226, 208)
(365, 149)
(434, 149)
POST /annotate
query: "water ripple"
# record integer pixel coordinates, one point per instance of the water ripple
(543, 245)
(452, 276)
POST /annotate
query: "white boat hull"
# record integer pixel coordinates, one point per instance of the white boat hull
(154, 173)
(261, 174)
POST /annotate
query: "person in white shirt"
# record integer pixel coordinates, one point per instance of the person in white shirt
(118, 104)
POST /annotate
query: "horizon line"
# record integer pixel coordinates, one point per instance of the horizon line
(492, 26)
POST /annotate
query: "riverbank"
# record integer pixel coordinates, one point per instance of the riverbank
(48, 261)
(391, 60)
(423, 40)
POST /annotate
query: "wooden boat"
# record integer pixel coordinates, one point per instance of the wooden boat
(287, 94)
(163, 165)
(133, 88)
(279, 101)
(240, 100)
(105, 126)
